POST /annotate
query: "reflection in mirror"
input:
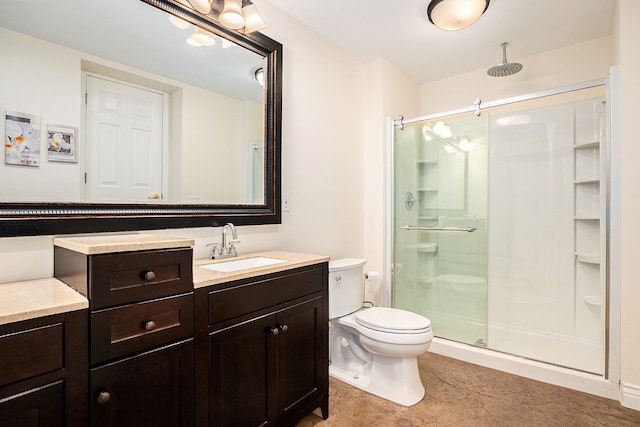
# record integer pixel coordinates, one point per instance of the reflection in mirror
(100, 82)
(172, 113)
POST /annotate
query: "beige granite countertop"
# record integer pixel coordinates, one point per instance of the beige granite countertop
(205, 277)
(30, 299)
(92, 245)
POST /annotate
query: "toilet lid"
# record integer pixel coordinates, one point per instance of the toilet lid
(393, 320)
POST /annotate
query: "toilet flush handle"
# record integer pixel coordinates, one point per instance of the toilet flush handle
(338, 279)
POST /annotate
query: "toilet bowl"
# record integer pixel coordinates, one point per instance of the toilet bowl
(374, 349)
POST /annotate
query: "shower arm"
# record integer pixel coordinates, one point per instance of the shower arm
(469, 229)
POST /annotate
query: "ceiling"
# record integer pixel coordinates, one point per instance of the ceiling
(400, 32)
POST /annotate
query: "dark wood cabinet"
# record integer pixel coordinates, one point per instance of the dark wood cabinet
(141, 347)
(43, 371)
(153, 388)
(262, 353)
(300, 359)
(39, 407)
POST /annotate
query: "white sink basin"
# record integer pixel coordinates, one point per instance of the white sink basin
(242, 264)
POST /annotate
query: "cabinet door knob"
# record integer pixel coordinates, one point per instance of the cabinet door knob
(274, 331)
(150, 325)
(103, 397)
(283, 328)
(149, 276)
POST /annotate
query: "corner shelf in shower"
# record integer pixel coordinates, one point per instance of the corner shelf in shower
(424, 247)
(591, 144)
(593, 300)
(589, 207)
(588, 258)
(587, 181)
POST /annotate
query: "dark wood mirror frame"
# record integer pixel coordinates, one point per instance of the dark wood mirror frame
(48, 218)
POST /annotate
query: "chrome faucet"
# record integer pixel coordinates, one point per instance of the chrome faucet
(226, 249)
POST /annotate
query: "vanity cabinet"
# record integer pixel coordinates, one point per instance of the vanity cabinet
(43, 371)
(262, 349)
(141, 353)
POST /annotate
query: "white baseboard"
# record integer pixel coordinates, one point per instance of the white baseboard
(630, 396)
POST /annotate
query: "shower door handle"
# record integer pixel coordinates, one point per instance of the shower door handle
(469, 229)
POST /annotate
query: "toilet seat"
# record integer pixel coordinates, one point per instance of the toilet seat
(393, 320)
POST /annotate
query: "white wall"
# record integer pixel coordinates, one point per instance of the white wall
(54, 97)
(627, 38)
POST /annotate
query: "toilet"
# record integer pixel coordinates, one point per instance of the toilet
(376, 348)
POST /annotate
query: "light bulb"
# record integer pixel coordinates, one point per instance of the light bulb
(231, 15)
(253, 20)
(202, 6)
(204, 37)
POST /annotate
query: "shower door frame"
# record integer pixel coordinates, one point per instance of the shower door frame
(611, 318)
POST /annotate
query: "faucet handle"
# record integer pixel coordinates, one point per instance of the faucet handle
(232, 246)
(214, 246)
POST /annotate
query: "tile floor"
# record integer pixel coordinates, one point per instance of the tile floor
(463, 394)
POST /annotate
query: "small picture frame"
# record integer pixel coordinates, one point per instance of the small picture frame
(62, 143)
(22, 139)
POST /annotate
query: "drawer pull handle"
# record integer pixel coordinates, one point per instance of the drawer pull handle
(150, 325)
(283, 328)
(149, 276)
(274, 331)
(103, 397)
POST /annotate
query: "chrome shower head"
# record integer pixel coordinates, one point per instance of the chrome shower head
(505, 68)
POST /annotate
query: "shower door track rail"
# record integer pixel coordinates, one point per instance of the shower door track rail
(418, 228)
(478, 105)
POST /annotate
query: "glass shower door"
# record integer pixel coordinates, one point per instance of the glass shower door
(440, 225)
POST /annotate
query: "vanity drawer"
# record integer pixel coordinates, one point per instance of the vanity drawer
(248, 297)
(31, 352)
(125, 277)
(126, 329)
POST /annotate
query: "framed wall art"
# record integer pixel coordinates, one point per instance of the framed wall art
(22, 139)
(62, 144)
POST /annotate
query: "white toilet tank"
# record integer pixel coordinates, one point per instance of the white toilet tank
(346, 286)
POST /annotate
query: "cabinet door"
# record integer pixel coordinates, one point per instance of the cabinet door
(300, 358)
(40, 407)
(242, 369)
(150, 389)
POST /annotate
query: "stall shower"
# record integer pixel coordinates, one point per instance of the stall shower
(499, 232)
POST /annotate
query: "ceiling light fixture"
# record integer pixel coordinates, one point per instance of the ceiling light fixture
(259, 75)
(241, 15)
(231, 15)
(454, 15)
(202, 6)
(203, 37)
(253, 20)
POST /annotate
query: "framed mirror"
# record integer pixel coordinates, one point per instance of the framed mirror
(199, 144)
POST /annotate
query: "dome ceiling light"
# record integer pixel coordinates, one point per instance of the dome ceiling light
(454, 15)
